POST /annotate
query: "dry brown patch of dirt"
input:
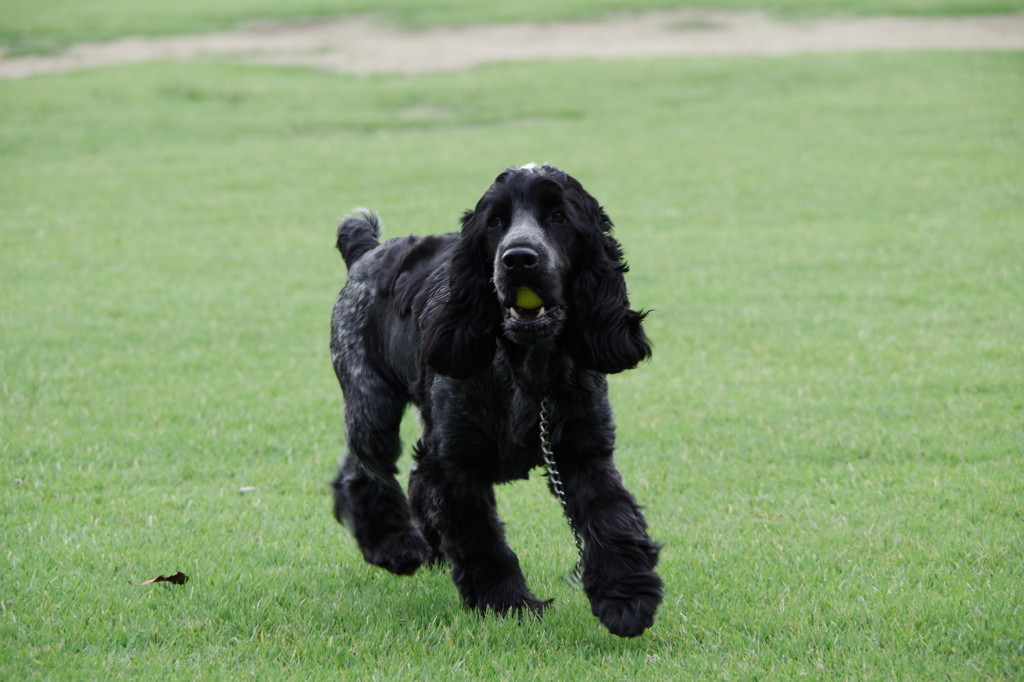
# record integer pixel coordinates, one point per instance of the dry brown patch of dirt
(362, 45)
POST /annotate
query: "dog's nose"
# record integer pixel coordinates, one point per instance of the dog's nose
(519, 258)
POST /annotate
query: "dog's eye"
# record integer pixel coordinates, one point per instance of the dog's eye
(559, 218)
(495, 221)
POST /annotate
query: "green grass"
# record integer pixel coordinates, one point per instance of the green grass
(828, 439)
(29, 26)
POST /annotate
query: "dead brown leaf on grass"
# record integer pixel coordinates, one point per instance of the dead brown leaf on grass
(178, 578)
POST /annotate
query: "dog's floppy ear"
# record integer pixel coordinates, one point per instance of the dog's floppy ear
(461, 322)
(605, 335)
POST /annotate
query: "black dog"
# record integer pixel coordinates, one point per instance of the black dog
(476, 329)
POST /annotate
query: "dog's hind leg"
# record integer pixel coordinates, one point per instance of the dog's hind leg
(367, 497)
(423, 507)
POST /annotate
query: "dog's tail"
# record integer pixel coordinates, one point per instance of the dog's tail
(357, 234)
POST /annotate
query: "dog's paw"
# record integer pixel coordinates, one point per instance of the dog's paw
(436, 560)
(627, 607)
(510, 601)
(533, 606)
(401, 553)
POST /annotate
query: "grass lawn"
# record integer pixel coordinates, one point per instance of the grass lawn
(32, 26)
(828, 440)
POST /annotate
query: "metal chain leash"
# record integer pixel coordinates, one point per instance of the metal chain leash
(576, 577)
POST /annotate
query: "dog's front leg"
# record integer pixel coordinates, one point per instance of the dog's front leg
(619, 557)
(485, 570)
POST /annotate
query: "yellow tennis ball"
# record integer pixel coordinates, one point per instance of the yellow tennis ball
(527, 300)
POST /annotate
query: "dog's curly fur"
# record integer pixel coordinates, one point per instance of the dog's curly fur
(435, 321)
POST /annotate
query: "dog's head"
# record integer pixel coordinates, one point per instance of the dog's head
(535, 262)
